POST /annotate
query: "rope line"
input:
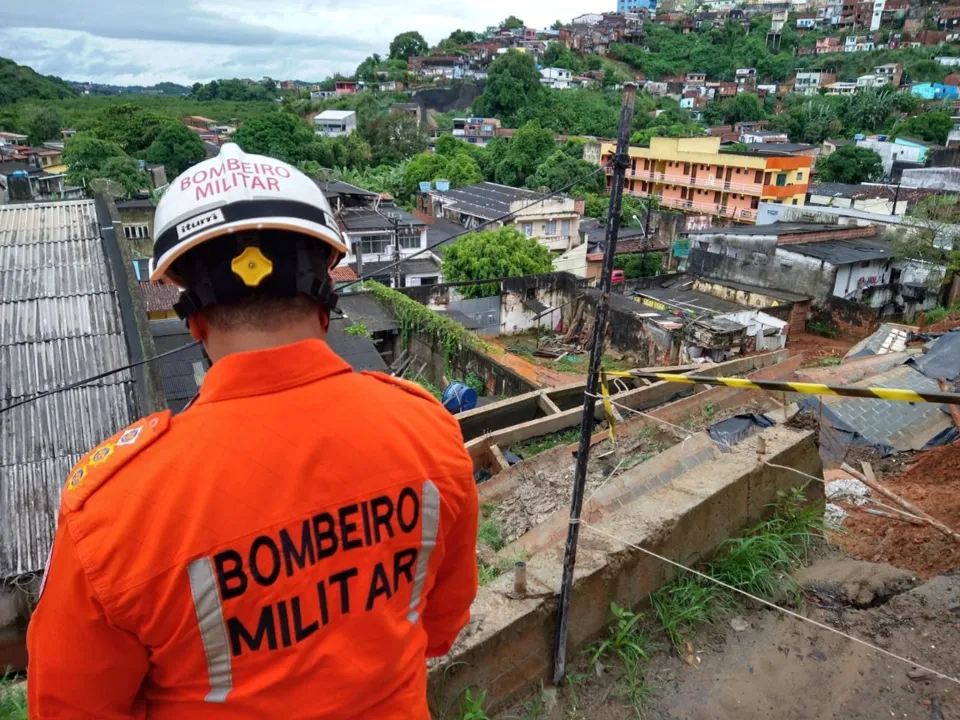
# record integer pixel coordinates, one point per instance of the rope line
(774, 606)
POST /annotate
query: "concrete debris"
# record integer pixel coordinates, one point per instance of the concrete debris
(918, 674)
(848, 490)
(833, 516)
(739, 624)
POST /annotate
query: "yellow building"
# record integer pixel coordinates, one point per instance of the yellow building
(691, 174)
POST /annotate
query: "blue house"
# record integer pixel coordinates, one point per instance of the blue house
(935, 91)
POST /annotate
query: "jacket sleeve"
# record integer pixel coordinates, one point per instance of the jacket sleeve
(448, 603)
(81, 665)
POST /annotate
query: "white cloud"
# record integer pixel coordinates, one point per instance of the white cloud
(132, 43)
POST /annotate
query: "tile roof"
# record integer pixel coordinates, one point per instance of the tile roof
(343, 274)
(359, 219)
(159, 297)
(182, 373)
(59, 322)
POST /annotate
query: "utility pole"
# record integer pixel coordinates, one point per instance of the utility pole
(395, 221)
(620, 162)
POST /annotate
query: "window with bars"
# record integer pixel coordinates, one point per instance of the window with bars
(527, 229)
(410, 239)
(550, 227)
(136, 232)
(374, 244)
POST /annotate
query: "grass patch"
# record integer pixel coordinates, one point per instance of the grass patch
(486, 574)
(759, 563)
(823, 329)
(631, 648)
(686, 603)
(13, 698)
(935, 315)
(489, 532)
(831, 362)
(471, 708)
(534, 446)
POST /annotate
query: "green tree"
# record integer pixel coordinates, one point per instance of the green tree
(557, 25)
(394, 137)
(125, 170)
(850, 164)
(84, 155)
(512, 23)
(529, 146)
(280, 135)
(459, 169)
(129, 126)
(460, 37)
(930, 126)
(561, 170)
(513, 84)
(19, 82)
(559, 56)
(405, 45)
(745, 107)
(506, 252)
(635, 265)
(176, 148)
(42, 123)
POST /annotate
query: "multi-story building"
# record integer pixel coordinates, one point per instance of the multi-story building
(476, 131)
(809, 82)
(556, 78)
(859, 43)
(841, 88)
(746, 79)
(691, 174)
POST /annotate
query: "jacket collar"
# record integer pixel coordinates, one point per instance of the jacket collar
(262, 372)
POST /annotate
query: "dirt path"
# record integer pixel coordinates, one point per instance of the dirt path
(542, 376)
(778, 667)
(816, 349)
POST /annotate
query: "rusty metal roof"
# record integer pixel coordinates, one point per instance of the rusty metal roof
(59, 322)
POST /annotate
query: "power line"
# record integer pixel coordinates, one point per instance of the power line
(107, 373)
(87, 381)
(482, 225)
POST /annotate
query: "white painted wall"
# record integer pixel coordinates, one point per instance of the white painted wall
(852, 276)
(756, 323)
(573, 261)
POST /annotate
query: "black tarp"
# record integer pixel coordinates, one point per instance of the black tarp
(734, 429)
(943, 359)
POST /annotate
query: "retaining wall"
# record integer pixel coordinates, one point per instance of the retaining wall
(509, 642)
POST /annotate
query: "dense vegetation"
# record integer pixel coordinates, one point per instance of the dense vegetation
(19, 82)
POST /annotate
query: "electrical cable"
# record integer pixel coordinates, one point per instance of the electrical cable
(102, 375)
(482, 225)
(87, 381)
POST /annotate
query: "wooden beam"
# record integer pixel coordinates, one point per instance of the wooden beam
(548, 406)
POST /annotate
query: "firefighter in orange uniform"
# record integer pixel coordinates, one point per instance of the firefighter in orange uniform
(300, 539)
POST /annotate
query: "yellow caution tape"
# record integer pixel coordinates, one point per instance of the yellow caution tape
(803, 388)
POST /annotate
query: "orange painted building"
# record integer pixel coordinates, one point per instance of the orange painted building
(691, 174)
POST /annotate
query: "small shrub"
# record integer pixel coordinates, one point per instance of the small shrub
(359, 329)
(823, 329)
(472, 706)
(13, 698)
(684, 604)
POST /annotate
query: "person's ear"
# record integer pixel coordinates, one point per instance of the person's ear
(324, 320)
(198, 326)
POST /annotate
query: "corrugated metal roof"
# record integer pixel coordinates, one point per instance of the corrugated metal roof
(59, 323)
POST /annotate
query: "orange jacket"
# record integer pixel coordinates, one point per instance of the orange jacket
(294, 545)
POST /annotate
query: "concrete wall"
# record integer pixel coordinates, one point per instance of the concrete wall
(854, 276)
(511, 645)
(794, 273)
(498, 379)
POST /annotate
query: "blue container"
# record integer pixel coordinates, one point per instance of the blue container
(424, 187)
(443, 185)
(459, 397)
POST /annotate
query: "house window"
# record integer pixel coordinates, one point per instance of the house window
(686, 168)
(527, 229)
(865, 264)
(550, 227)
(565, 228)
(410, 239)
(374, 244)
(781, 179)
(136, 232)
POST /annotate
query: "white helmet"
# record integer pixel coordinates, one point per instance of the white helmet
(235, 192)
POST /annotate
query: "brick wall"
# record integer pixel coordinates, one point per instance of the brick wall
(852, 319)
(846, 233)
(798, 317)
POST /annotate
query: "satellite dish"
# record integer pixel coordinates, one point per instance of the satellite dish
(105, 186)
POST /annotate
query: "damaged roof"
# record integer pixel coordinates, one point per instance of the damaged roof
(842, 252)
(60, 322)
(690, 300)
(485, 200)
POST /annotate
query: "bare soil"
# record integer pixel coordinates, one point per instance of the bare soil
(538, 494)
(775, 666)
(933, 485)
(695, 423)
(816, 349)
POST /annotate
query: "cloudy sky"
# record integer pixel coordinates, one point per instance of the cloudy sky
(140, 42)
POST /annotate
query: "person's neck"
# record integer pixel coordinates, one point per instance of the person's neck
(219, 345)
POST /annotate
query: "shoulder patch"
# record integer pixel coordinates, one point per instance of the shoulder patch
(98, 465)
(411, 387)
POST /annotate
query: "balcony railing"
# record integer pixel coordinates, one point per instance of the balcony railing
(695, 182)
(707, 208)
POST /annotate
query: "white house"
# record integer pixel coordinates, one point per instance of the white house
(334, 123)
(374, 235)
(556, 78)
(322, 94)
